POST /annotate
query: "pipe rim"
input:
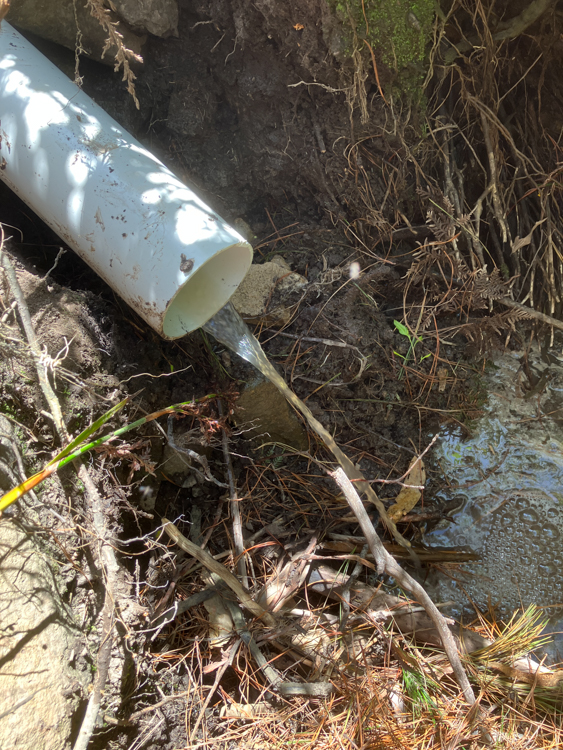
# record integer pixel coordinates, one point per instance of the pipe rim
(207, 290)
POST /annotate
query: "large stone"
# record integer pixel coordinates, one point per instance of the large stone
(265, 291)
(268, 417)
(159, 17)
(38, 688)
(59, 21)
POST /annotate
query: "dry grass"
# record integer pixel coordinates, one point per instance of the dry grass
(387, 692)
(114, 40)
(485, 157)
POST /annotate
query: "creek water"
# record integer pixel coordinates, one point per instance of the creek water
(507, 483)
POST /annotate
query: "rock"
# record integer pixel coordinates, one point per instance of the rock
(55, 20)
(177, 467)
(263, 407)
(265, 291)
(158, 17)
(39, 690)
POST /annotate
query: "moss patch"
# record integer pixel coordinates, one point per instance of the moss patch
(397, 30)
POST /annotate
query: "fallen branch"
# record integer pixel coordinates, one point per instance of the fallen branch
(215, 567)
(111, 568)
(50, 397)
(388, 565)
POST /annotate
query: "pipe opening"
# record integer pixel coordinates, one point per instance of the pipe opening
(207, 291)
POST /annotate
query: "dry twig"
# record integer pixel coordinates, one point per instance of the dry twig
(238, 539)
(211, 564)
(123, 56)
(386, 564)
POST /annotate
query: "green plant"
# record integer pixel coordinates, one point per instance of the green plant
(83, 444)
(420, 689)
(413, 341)
(398, 32)
(273, 456)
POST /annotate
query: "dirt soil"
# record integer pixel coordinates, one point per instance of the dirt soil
(254, 105)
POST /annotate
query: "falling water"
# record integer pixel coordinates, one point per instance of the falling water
(230, 329)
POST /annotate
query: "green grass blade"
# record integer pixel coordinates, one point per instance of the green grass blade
(90, 430)
(72, 452)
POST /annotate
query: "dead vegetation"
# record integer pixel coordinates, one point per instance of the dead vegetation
(486, 161)
(123, 56)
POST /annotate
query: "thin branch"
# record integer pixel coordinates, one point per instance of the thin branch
(531, 313)
(25, 318)
(211, 564)
(238, 539)
(388, 565)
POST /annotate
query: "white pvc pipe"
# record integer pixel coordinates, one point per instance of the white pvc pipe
(172, 258)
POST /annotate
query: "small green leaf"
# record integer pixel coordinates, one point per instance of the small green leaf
(403, 330)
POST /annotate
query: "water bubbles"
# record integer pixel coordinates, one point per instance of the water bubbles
(503, 520)
(553, 514)
(535, 531)
(521, 504)
(528, 515)
(550, 532)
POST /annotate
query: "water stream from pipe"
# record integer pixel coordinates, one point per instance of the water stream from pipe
(230, 329)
